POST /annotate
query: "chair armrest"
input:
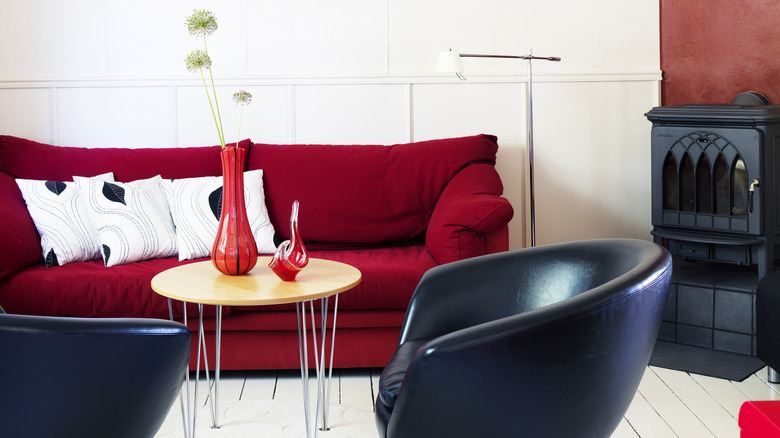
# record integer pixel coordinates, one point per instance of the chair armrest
(469, 292)
(469, 208)
(18, 236)
(463, 294)
(42, 326)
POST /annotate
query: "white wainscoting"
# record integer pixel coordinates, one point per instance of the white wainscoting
(591, 137)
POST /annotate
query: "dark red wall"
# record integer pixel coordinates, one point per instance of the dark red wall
(712, 50)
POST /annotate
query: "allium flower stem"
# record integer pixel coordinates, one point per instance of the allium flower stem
(240, 116)
(203, 23)
(241, 98)
(219, 116)
(216, 123)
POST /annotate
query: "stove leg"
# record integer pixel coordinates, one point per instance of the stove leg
(772, 375)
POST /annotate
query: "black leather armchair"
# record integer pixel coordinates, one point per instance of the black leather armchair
(550, 341)
(83, 377)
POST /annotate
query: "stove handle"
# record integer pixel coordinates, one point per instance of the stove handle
(753, 184)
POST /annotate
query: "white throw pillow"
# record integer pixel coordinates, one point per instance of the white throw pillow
(132, 220)
(196, 209)
(61, 217)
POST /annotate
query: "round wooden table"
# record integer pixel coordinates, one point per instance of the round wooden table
(201, 283)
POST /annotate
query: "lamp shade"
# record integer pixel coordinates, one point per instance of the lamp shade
(449, 62)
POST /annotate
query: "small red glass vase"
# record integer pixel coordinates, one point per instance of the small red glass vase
(234, 251)
(290, 257)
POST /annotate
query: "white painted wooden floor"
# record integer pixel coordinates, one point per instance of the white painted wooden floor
(667, 404)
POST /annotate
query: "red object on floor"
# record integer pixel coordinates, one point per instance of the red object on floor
(760, 419)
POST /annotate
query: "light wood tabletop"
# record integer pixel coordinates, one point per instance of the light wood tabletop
(201, 283)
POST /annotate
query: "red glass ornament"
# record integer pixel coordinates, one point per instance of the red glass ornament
(235, 250)
(290, 257)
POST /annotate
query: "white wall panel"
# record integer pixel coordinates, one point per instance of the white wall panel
(266, 119)
(115, 117)
(26, 113)
(352, 114)
(316, 37)
(142, 42)
(592, 156)
(466, 108)
(149, 37)
(52, 38)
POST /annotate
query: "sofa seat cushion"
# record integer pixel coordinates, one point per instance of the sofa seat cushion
(89, 289)
(385, 273)
(363, 194)
(393, 374)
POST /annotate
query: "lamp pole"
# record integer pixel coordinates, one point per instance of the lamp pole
(530, 120)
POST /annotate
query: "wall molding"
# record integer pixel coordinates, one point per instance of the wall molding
(372, 79)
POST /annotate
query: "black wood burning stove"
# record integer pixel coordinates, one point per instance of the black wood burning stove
(715, 197)
(716, 182)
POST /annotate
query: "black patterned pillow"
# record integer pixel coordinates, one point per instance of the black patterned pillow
(196, 206)
(132, 220)
(61, 217)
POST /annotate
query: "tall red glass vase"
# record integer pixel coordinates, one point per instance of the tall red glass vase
(235, 250)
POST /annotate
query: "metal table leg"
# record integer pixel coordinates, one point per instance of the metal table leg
(323, 397)
(185, 416)
(189, 423)
(215, 405)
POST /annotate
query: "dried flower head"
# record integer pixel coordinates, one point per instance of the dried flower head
(242, 97)
(198, 60)
(201, 22)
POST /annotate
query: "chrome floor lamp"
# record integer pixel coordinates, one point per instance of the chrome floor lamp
(449, 60)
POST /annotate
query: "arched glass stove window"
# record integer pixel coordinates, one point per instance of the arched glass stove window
(671, 187)
(722, 187)
(704, 186)
(739, 187)
(687, 184)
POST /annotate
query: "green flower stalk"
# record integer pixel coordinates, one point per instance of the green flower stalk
(203, 23)
(241, 98)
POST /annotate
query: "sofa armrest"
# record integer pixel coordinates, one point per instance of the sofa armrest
(18, 236)
(469, 215)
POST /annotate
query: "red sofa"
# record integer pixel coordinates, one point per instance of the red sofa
(391, 211)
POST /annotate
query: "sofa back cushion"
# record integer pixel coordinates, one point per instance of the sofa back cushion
(18, 235)
(363, 194)
(28, 159)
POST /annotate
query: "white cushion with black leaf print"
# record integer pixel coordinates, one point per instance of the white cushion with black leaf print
(132, 220)
(62, 220)
(196, 207)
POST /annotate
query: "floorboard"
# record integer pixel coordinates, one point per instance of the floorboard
(668, 403)
(669, 406)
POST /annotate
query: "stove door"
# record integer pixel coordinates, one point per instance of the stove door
(707, 178)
